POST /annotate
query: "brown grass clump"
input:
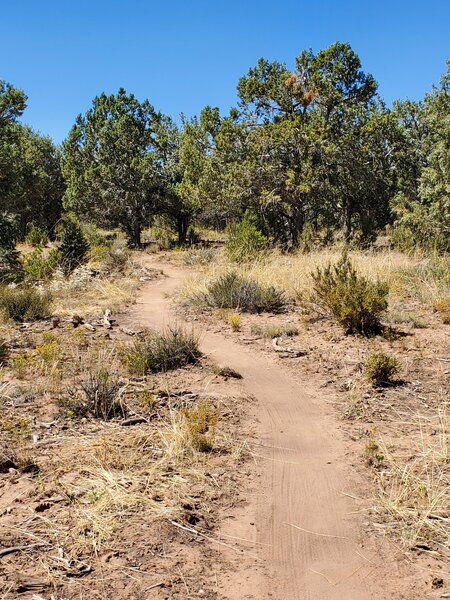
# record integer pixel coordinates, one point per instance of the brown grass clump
(442, 306)
(414, 489)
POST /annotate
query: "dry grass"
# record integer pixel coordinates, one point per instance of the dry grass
(426, 279)
(414, 488)
(95, 297)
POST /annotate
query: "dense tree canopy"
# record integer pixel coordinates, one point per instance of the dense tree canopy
(31, 184)
(309, 154)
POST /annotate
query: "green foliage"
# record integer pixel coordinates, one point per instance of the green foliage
(36, 236)
(156, 352)
(380, 368)
(38, 267)
(353, 301)
(24, 303)
(246, 242)
(111, 164)
(243, 293)
(73, 246)
(10, 267)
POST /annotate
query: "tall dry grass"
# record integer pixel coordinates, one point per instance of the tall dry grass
(426, 279)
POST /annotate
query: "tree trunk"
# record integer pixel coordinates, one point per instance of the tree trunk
(348, 213)
(182, 227)
(134, 235)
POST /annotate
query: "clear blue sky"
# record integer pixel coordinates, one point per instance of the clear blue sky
(182, 55)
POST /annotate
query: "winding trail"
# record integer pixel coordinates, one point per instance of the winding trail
(308, 535)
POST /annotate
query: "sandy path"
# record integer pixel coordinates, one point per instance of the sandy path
(304, 475)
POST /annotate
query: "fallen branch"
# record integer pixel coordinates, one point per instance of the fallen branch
(276, 346)
(13, 549)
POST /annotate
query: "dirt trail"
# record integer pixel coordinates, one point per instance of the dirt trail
(305, 479)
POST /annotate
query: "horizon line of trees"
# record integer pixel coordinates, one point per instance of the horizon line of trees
(310, 156)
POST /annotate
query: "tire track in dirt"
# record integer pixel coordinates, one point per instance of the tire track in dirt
(308, 536)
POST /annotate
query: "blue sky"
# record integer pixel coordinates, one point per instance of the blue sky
(182, 55)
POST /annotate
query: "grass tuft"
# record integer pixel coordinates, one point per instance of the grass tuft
(156, 352)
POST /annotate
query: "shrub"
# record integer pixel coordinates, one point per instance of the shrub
(10, 266)
(73, 245)
(117, 257)
(246, 241)
(235, 321)
(4, 352)
(234, 291)
(102, 391)
(36, 236)
(380, 368)
(442, 306)
(353, 301)
(159, 352)
(200, 424)
(95, 237)
(24, 303)
(40, 268)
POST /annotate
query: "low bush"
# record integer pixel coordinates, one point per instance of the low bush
(200, 424)
(73, 245)
(243, 293)
(380, 368)
(37, 267)
(354, 301)
(235, 321)
(154, 352)
(24, 303)
(102, 392)
(11, 270)
(4, 352)
(36, 236)
(246, 242)
(442, 306)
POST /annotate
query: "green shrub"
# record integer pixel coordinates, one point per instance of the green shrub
(246, 242)
(154, 352)
(36, 236)
(355, 302)
(24, 303)
(40, 268)
(95, 237)
(11, 270)
(380, 368)
(73, 246)
(237, 292)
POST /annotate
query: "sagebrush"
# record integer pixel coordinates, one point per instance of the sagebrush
(24, 303)
(354, 301)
